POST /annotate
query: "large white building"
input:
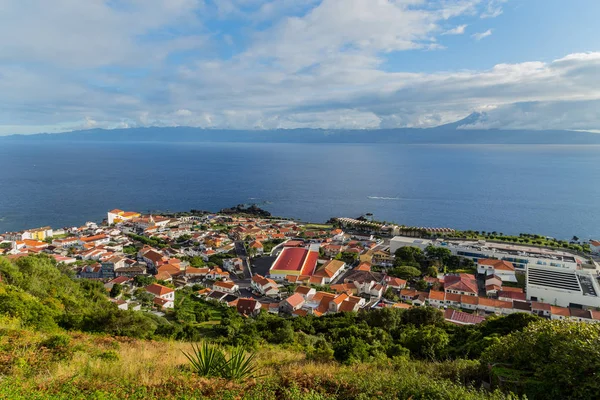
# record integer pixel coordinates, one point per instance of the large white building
(520, 256)
(562, 287)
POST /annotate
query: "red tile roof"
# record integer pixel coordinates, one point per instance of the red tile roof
(158, 290)
(462, 318)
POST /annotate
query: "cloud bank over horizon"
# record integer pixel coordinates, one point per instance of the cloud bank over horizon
(257, 64)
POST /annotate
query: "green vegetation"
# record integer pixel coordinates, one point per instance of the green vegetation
(150, 241)
(525, 239)
(62, 338)
(211, 361)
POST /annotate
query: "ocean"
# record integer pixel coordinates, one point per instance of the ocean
(547, 189)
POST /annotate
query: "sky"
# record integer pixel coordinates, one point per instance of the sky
(265, 64)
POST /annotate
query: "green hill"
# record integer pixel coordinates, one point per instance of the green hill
(61, 338)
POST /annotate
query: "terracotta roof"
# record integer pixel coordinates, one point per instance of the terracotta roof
(473, 300)
(462, 318)
(512, 289)
(160, 302)
(462, 283)
(329, 269)
(163, 276)
(303, 290)
(228, 285)
(554, 310)
(340, 298)
(158, 290)
(347, 306)
(364, 266)
(512, 295)
(437, 295)
(300, 312)
(453, 297)
(497, 264)
(295, 300)
(536, 305)
(93, 238)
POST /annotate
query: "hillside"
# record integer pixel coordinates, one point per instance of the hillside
(60, 338)
(453, 133)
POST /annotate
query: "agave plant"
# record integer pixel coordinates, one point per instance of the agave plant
(206, 360)
(210, 361)
(240, 365)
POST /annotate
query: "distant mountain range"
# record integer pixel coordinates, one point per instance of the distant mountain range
(444, 134)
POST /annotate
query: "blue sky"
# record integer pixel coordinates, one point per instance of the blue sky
(259, 64)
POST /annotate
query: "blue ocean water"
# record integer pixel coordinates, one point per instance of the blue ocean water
(552, 190)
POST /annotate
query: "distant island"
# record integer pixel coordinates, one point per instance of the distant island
(459, 132)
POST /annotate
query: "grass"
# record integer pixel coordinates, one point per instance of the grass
(36, 365)
(318, 226)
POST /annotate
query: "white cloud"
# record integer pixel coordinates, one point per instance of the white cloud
(481, 35)
(459, 30)
(493, 9)
(151, 62)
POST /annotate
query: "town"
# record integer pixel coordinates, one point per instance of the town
(257, 263)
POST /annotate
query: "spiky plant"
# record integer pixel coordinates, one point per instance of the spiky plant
(206, 360)
(240, 365)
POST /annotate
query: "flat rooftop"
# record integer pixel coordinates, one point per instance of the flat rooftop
(553, 278)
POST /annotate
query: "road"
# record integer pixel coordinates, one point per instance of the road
(241, 252)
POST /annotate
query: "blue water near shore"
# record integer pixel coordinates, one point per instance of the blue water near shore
(553, 190)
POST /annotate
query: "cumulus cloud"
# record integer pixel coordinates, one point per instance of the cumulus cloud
(481, 35)
(126, 63)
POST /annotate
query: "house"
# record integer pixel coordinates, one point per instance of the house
(192, 272)
(234, 265)
(226, 287)
(93, 271)
(165, 295)
(37, 234)
(334, 305)
(540, 309)
(247, 306)
(329, 271)
(462, 284)
(218, 273)
(306, 292)
(559, 313)
(117, 216)
(66, 242)
(503, 269)
(507, 295)
(264, 286)
(121, 280)
(131, 270)
(382, 258)
(256, 246)
(95, 240)
(395, 283)
(292, 303)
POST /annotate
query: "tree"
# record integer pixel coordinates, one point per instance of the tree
(116, 290)
(421, 284)
(409, 255)
(405, 272)
(391, 295)
(428, 342)
(563, 357)
(422, 316)
(143, 280)
(433, 272)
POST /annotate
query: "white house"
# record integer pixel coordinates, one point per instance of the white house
(505, 270)
(225, 286)
(164, 297)
(265, 286)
